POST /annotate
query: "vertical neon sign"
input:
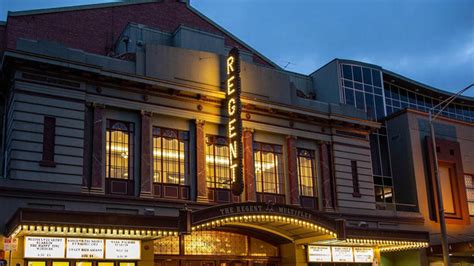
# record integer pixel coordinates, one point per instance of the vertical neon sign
(234, 109)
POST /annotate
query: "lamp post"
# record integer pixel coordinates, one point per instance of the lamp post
(433, 114)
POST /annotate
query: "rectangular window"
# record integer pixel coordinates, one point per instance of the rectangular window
(469, 180)
(170, 156)
(445, 177)
(49, 134)
(355, 179)
(119, 147)
(268, 168)
(217, 162)
(306, 176)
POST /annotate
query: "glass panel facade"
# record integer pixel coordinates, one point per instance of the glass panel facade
(400, 98)
(217, 162)
(362, 88)
(119, 144)
(306, 173)
(215, 243)
(367, 93)
(170, 156)
(168, 245)
(268, 168)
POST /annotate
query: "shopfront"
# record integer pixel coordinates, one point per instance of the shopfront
(240, 234)
(72, 251)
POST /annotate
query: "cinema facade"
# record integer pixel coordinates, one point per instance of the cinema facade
(175, 143)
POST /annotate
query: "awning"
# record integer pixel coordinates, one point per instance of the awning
(277, 223)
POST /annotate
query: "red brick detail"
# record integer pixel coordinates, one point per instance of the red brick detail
(146, 155)
(249, 166)
(293, 170)
(49, 134)
(95, 30)
(201, 186)
(98, 162)
(449, 153)
(327, 184)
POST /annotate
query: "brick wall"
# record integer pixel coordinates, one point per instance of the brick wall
(96, 30)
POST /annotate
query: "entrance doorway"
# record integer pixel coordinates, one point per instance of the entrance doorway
(38, 262)
(204, 262)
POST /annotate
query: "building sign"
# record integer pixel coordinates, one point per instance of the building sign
(319, 254)
(10, 244)
(85, 248)
(44, 247)
(265, 208)
(234, 109)
(363, 254)
(122, 249)
(342, 254)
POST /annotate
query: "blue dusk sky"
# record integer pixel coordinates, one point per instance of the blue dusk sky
(430, 41)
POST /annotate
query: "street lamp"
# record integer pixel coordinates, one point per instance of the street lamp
(433, 114)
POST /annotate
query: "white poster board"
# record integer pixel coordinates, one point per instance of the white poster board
(342, 254)
(44, 247)
(122, 249)
(363, 254)
(85, 248)
(319, 253)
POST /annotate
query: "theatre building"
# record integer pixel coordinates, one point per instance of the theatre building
(141, 133)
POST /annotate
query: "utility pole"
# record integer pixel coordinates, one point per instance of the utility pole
(433, 114)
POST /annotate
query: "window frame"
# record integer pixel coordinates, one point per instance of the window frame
(185, 159)
(213, 140)
(312, 158)
(278, 173)
(467, 189)
(108, 142)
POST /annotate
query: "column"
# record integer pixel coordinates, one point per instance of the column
(326, 177)
(98, 139)
(146, 155)
(292, 170)
(201, 183)
(249, 165)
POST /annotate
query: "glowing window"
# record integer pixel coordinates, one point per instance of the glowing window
(168, 245)
(306, 173)
(215, 243)
(60, 263)
(469, 179)
(268, 168)
(217, 162)
(36, 263)
(170, 156)
(119, 147)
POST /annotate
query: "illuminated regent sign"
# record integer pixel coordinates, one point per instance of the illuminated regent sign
(234, 109)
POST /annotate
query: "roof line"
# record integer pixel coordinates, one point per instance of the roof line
(78, 7)
(113, 4)
(233, 36)
(465, 97)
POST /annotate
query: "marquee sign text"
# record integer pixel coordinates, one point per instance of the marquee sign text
(234, 109)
